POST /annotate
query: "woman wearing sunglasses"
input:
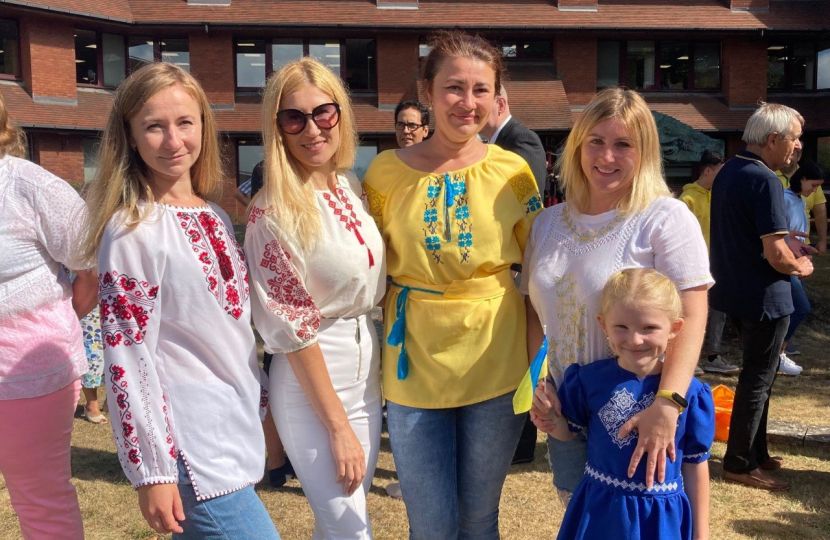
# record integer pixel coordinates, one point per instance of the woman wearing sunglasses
(317, 268)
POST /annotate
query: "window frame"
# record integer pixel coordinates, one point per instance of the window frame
(658, 50)
(18, 72)
(520, 50)
(788, 71)
(157, 47)
(254, 140)
(269, 61)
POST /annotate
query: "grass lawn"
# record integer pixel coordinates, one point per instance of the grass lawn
(529, 508)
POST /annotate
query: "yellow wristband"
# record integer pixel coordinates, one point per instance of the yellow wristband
(675, 398)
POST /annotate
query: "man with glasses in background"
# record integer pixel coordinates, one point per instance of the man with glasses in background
(411, 123)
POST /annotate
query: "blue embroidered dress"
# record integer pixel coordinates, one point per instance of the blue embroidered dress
(607, 504)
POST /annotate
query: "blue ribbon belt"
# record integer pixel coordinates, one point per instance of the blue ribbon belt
(398, 334)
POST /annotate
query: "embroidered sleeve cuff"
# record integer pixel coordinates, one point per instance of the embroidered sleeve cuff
(152, 480)
(302, 346)
(574, 427)
(696, 458)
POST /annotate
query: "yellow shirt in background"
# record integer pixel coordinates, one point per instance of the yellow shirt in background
(464, 318)
(699, 200)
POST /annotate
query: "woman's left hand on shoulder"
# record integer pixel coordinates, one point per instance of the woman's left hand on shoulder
(656, 426)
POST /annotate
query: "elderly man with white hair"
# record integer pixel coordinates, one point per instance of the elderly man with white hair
(752, 262)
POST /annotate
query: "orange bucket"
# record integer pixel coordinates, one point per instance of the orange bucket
(723, 397)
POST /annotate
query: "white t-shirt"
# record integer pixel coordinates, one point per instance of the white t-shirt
(343, 276)
(181, 370)
(570, 257)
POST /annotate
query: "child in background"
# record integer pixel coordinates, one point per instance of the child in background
(640, 313)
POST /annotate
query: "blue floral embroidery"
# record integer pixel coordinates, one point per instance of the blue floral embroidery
(431, 238)
(462, 212)
(433, 243)
(433, 191)
(465, 240)
(533, 204)
(430, 215)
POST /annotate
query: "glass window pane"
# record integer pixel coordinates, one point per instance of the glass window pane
(640, 65)
(674, 66)
(327, 52)
(115, 62)
(361, 64)
(707, 66)
(250, 63)
(423, 50)
(366, 152)
(86, 57)
(284, 51)
(824, 153)
(141, 53)
(608, 63)
(9, 55)
(249, 153)
(508, 49)
(802, 66)
(823, 67)
(91, 147)
(176, 52)
(537, 50)
(776, 57)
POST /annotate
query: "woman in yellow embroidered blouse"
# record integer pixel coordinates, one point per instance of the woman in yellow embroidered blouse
(455, 214)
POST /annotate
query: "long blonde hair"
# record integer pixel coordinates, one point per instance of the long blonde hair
(12, 138)
(630, 108)
(286, 188)
(122, 180)
(642, 287)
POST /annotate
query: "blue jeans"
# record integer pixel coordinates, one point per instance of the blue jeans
(801, 307)
(237, 516)
(452, 464)
(567, 461)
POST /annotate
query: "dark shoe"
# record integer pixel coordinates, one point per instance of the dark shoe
(757, 479)
(521, 460)
(276, 477)
(772, 464)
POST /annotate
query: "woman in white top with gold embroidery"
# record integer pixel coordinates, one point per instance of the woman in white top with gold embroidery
(317, 269)
(619, 214)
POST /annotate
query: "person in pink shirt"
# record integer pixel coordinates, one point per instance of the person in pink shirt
(41, 346)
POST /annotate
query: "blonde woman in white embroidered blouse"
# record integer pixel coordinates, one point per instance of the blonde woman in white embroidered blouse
(180, 356)
(317, 269)
(619, 213)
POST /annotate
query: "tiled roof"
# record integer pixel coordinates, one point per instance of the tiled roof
(538, 104)
(90, 113)
(527, 14)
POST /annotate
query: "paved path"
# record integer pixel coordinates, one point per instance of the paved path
(795, 433)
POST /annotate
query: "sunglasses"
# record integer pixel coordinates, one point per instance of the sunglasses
(324, 116)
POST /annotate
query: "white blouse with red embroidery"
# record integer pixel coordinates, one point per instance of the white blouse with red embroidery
(344, 275)
(180, 355)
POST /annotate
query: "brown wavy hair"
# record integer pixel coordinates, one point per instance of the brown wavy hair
(12, 138)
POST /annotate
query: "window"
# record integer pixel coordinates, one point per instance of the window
(248, 154)
(366, 152)
(143, 51)
(798, 66)
(100, 59)
(9, 55)
(91, 147)
(653, 65)
(526, 49)
(354, 60)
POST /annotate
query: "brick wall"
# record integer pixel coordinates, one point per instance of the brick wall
(744, 68)
(211, 61)
(734, 144)
(60, 154)
(576, 62)
(397, 68)
(234, 209)
(47, 51)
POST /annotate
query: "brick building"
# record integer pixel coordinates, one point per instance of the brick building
(705, 63)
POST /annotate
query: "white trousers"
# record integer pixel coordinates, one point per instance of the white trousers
(351, 352)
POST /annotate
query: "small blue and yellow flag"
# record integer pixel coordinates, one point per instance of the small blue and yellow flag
(523, 398)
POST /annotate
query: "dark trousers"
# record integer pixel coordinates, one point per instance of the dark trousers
(527, 443)
(746, 449)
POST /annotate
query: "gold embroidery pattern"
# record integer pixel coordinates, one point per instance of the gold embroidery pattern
(571, 332)
(523, 184)
(376, 202)
(587, 236)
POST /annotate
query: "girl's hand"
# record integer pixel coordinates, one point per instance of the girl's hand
(349, 459)
(544, 425)
(545, 401)
(657, 426)
(161, 506)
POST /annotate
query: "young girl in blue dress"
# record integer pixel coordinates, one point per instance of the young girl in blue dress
(640, 313)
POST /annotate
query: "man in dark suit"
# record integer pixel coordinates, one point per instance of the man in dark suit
(504, 130)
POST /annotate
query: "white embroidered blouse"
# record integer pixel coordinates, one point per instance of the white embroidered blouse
(41, 218)
(343, 276)
(570, 257)
(180, 356)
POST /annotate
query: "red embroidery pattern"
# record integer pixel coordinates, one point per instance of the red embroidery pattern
(128, 444)
(255, 215)
(348, 217)
(287, 297)
(221, 257)
(126, 305)
(172, 451)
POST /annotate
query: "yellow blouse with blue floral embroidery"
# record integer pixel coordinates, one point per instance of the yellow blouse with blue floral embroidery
(451, 239)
